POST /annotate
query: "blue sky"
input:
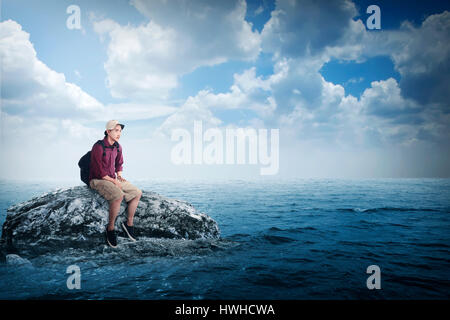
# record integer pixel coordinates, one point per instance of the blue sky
(348, 101)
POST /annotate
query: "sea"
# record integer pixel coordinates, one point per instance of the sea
(292, 239)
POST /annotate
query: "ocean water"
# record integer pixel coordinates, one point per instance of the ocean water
(291, 239)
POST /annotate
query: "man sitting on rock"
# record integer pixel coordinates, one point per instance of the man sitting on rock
(102, 178)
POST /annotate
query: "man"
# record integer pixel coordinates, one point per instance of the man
(105, 177)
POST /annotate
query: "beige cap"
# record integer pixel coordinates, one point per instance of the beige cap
(111, 124)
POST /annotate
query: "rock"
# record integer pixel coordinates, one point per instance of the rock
(16, 260)
(76, 217)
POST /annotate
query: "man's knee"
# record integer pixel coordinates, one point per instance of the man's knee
(138, 194)
(118, 198)
(134, 195)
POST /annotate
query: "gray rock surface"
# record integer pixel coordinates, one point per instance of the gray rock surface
(76, 217)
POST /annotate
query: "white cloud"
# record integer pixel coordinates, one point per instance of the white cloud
(306, 27)
(299, 100)
(420, 54)
(135, 111)
(388, 112)
(326, 30)
(30, 88)
(247, 92)
(147, 60)
(77, 130)
(185, 116)
(139, 59)
(402, 120)
(317, 118)
(44, 115)
(384, 100)
(259, 10)
(354, 80)
(423, 60)
(380, 117)
(314, 109)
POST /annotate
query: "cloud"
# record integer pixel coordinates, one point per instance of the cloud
(306, 27)
(319, 110)
(30, 88)
(354, 80)
(297, 81)
(248, 92)
(138, 63)
(297, 99)
(185, 116)
(43, 114)
(147, 60)
(317, 119)
(304, 35)
(43, 148)
(423, 60)
(420, 54)
(259, 10)
(41, 133)
(380, 117)
(384, 100)
(326, 30)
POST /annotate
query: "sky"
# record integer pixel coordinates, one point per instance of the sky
(337, 98)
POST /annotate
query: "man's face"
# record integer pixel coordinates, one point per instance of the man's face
(115, 133)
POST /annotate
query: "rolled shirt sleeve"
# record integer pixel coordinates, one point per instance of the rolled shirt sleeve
(119, 160)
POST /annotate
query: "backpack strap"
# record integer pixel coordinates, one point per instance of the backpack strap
(115, 144)
(100, 142)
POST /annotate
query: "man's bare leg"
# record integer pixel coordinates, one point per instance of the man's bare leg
(114, 208)
(132, 205)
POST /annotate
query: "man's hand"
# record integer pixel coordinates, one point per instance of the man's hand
(119, 176)
(117, 183)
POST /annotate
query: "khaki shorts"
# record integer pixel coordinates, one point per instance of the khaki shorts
(112, 192)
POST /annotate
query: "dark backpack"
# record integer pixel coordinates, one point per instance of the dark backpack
(85, 161)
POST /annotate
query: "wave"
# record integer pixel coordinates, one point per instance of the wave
(277, 239)
(272, 235)
(412, 265)
(238, 236)
(382, 209)
(433, 245)
(360, 244)
(292, 230)
(426, 283)
(130, 251)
